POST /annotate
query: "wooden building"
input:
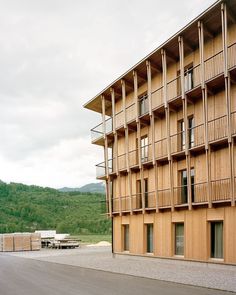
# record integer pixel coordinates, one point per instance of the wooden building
(168, 130)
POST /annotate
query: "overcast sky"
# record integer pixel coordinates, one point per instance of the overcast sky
(54, 56)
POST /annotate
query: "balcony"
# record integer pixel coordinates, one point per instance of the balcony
(119, 119)
(101, 169)
(199, 193)
(196, 137)
(180, 195)
(157, 98)
(233, 123)
(220, 190)
(161, 150)
(137, 202)
(134, 159)
(146, 155)
(122, 165)
(232, 56)
(131, 113)
(97, 132)
(164, 198)
(177, 143)
(214, 66)
(217, 129)
(150, 200)
(125, 203)
(115, 205)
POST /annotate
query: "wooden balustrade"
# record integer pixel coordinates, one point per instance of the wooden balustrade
(131, 113)
(214, 66)
(196, 136)
(173, 88)
(164, 197)
(133, 158)
(115, 205)
(125, 203)
(150, 200)
(119, 118)
(232, 56)
(161, 148)
(220, 189)
(157, 98)
(122, 162)
(217, 128)
(137, 201)
(177, 142)
(180, 195)
(146, 153)
(199, 192)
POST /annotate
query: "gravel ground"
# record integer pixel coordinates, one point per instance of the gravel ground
(208, 275)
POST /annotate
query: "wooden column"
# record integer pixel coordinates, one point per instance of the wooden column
(119, 192)
(139, 143)
(153, 139)
(208, 164)
(116, 152)
(136, 95)
(113, 110)
(149, 86)
(142, 189)
(127, 148)
(104, 135)
(109, 195)
(171, 184)
(156, 187)
(103, 115)
(124, 100)
(164, 74)
(129, 192)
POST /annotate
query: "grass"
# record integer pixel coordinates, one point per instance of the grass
(93, 239)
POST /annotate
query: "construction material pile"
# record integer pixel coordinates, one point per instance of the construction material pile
(20, 242)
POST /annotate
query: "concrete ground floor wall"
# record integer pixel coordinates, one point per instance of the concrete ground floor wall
(197, 233)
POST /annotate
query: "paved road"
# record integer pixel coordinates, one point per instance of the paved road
(21, 276)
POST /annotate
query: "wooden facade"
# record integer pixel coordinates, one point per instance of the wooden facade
(169, 136)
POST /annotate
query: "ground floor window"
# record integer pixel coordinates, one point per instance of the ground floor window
(216, 239)
(149, 238)
(179, 239)
(126, 237)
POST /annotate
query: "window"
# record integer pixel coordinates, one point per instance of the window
(149, 228)
(191, 131)
(182, 133)
(139, 195)
(179, 239)
(146, 192)
(126, 237)
(144, 148)
(188, 78)
(184, 186)
(217, 239)
(192, 172)
(143, 104)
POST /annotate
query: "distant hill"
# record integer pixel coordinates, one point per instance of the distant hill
(88, 188)
(29, 208)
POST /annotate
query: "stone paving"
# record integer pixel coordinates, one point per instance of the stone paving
(222, 277)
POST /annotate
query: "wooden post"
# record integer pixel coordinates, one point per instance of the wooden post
(209, 191)
(119, 192)
(153, 139)
(116, 153)
(124, 100)
(156, 187)
(103, 115)
(109, 195)
(164, 73)
(142, 189)
(136, 95)
(149, 86)
(167, 116)
(127, 148)
(139, 144)
(171, 184)
(113, 110)
(129, 192)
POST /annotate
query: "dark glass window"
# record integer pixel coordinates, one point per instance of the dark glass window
(217, 239)
(149, 238)
(179, 239)
(126, 237)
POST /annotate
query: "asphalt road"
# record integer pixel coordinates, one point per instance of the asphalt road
(20, 276)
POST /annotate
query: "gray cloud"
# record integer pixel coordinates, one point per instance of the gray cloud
(54, 56)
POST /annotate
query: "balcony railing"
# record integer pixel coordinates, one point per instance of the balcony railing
(217, 128)
(220, 189)
(164, 197)
(180, 195)
(199, 192)
(101, 169)
(157, 98)
(133, 158)
(97, 132)
(146, 153)
(150, 200)
(131, 112)
(214, 66)
(232, 56)
(173, 88)
(115, 205)
(125, 203)
(192, 77)
(119, 119)
(196, 136)
(233, 122)
(137, 201)
(122, 162)
(161, 148)
(143, 105)
(177, 142)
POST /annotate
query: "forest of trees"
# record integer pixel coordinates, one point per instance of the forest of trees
(28, 208)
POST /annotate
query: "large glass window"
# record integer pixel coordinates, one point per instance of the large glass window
(143, 104)
(188, 78)
(146, 192)
(217, 239)
(126, 237)
(184, 186)
(179, 238)
(139, 195)
(144, 148)
(149, 238)
(191, 132)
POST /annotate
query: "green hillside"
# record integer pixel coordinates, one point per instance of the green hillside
(28, 208)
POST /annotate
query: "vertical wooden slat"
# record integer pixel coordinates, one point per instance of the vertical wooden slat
(208, 166)
(124, 101)
(156, 187)
(139, 144)
(171, 184)
(119, 192)
(142, 189)
(113, 110)
(149, 86)
(109, 195)
(136, 95)
(164, 73)
(129, 192)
